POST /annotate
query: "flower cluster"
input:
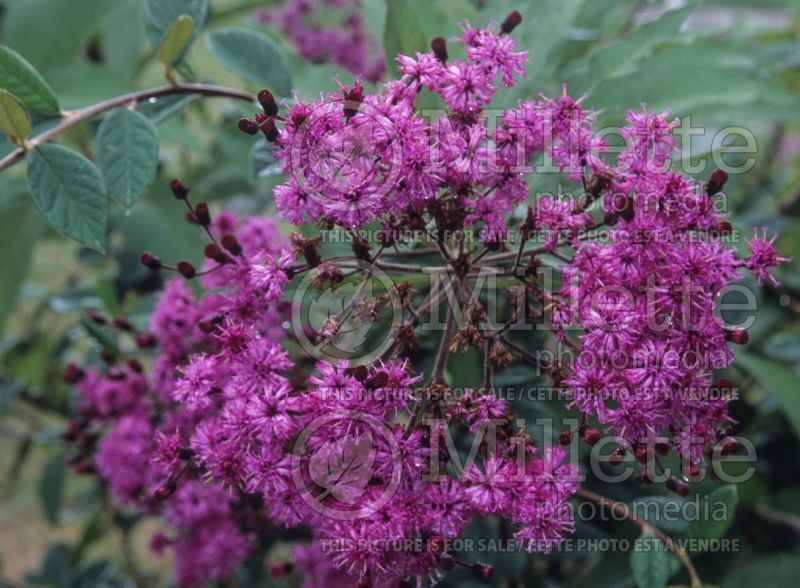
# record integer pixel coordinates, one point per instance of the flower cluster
(347, 44)
(237, 427)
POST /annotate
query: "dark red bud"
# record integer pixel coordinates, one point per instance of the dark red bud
(617, 456)
(737, 336)
(482, 570)
(439, 47)
(186, 269)
(724, 228)
(565, 437)
(270, 130)
(641, 453)
(122, 323)
(447, 562)
(145, 340)
(96, 317)
(201, 215)
(71, 432)
(511, 22)
(716, 182)
(279, 570)
(267, 101)
(230, 243)
(248, 126)
(679, 487)
(591, 436)
(180, 191)
(729, 446)
(437, 545)
(164, 491)
(206, 326)
(213, 251)
(135, 365)
(150, 261)
(72, 373)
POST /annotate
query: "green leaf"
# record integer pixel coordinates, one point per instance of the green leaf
(650, 562)
(403, 33)
(253, 55)
(175, 40)
(159, 16)
(775, 570)
(779, 380)
(127, 154)
(20, 226)
(51, 487)
(714, 529)
(69, 192)
(14, 119)
(21, 79)
(664, 512)
(619, 56)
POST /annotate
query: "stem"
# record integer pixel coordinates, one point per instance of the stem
(83, 114)
(437, 377)
(622, 511)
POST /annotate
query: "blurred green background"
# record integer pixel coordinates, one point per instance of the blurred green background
(724, 62)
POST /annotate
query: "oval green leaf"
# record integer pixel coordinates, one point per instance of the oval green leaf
(127, 154)
(21, 79)
(253, 55)
(725, 497)
(159, 15)
(403, 33)
(650, 562)
(176, 40)
(69, 192)
(14, 119)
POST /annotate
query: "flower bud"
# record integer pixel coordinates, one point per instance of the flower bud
(270, 130)
(591, 436)
(679, 487)
(565, 437)
(483, 570)
(439, 47)
(186, 269)
(122, 323)
(201, 215)
(267, 102)
(230, 243)
(150, 261)
(181, 192)
(248, 126)
(96, 317)
(145, 340)
(737, 336)
(511, 22)
(213, 251)
(617, 456)
(165, 491)
(72, 373)
(729, 446)
(716, 182)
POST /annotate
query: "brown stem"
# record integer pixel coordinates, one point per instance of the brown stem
(624, 512)
(83, 114)
(437, 376)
